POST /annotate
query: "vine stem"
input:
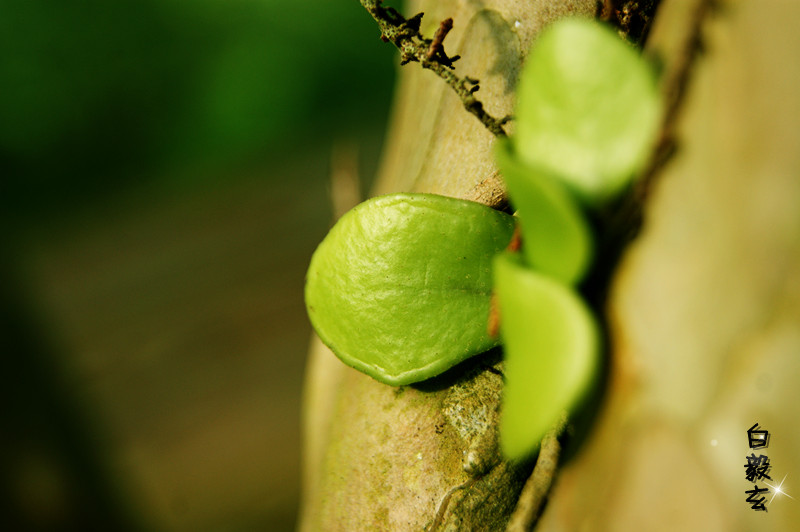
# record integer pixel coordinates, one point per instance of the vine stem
(676, 86)
(404, 34)
(538, 485)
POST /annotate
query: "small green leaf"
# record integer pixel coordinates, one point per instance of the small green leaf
(400, 287)
(551, 344)
(588, 108)
(555, 235)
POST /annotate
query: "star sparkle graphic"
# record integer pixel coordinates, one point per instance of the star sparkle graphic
(778, 490)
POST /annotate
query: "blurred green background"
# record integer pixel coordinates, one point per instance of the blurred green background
(164, 178)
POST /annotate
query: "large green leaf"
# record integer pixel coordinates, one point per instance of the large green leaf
(400, 287)
(588, 108)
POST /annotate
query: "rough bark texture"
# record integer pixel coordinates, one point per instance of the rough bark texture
(705, 305)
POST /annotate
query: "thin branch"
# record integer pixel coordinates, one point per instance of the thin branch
(404, 34)
(538, 485)
(676, 87)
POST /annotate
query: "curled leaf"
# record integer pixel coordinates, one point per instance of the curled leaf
(556, 237)
(551, 343)
(400, 287)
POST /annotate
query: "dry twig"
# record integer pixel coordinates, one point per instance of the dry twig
(404, 34)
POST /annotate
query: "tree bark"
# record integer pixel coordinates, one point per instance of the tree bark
(704, 308)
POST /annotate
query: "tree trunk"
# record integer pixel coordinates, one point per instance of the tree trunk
(704, 308)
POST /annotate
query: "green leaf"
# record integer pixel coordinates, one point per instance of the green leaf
(588, 108)
(552, 353)
(555, 235)
(400, 287)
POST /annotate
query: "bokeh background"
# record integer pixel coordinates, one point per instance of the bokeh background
(164, 178)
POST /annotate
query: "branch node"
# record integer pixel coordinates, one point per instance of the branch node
(414, 22)
(437, 44)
